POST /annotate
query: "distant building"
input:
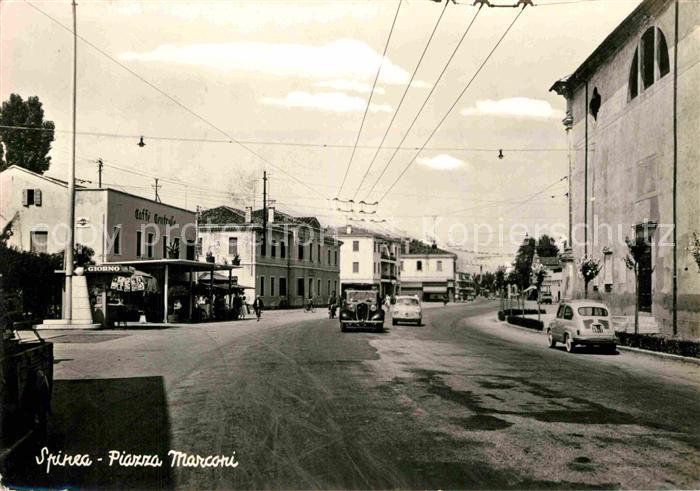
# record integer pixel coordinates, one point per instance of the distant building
(554, 279)
(427, 271)
(465, 286)
(369, 258)
(118, 226)
(300, 258)
(633, 124)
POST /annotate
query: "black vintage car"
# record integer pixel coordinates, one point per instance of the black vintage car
(361, 308)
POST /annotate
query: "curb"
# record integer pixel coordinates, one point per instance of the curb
(658, 354)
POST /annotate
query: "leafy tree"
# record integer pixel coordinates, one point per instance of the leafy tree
(25, 148)
(588, 268)
(539, 273)
(546, 246)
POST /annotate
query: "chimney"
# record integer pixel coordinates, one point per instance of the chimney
(407, 246)
(270, 214)
(248, 214)
(348, 230)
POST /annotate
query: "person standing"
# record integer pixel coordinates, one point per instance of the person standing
(258, 307)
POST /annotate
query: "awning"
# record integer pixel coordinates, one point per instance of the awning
(435, 289)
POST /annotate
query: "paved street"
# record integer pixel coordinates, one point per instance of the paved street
(460, 402)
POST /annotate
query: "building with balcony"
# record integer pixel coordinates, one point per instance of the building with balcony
(465, 287)
(293, 259)
(427, 271)
(369, 258)
(632, 122)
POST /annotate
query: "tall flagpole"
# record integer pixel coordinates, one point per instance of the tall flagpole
(70, 239)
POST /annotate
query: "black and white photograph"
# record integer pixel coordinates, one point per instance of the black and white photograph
(349, 244)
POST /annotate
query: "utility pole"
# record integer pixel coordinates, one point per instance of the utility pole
(264, 237)
(70, 237)
(100, 164)
(156, 187)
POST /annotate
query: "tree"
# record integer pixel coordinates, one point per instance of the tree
(636, 250)
(500, 282)
(547, 247)
(487, 281)
(539, 273)
(588, 268)
(25, 148)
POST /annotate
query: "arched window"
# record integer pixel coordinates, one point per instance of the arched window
(634, 75)
(662, 56)
(647, 58)
(650, 61)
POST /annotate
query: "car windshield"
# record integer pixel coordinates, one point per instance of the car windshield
(407, 301)
(361, 296)
(592, 312)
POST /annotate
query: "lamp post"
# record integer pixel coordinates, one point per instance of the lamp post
(70, 238)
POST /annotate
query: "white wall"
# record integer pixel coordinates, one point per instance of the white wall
(410, 272)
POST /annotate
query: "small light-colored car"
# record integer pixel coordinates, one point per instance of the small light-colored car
(582, 322)
(407, 309)
(546, 297)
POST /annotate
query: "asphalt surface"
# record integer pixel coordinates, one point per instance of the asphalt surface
(462, 402)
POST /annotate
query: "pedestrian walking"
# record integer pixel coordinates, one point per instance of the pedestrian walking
(258, 307)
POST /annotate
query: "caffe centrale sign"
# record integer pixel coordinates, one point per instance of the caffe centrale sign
(144, 214)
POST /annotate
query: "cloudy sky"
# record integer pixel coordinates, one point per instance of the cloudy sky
(269, 72)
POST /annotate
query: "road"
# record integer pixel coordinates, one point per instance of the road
(461, 402)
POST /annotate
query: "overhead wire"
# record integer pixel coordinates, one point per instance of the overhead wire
(169, 97)
(425, 102)
(456, 101)
(403, 96)
(369, 100)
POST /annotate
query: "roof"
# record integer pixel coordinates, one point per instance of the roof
(610, 44)
(418, 248)
(227, 215)
(364, 232)
(41, 176)
(222, 215)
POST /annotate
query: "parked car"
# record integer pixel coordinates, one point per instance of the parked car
(546, 297)
(407, 309)
(361, 308)
(582, 322)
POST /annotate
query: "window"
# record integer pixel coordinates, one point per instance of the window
(356, 267)
(31, 197)
(262, 286)
(273, 249)
(335, 253)
(165, 247)
(232, 246)
(318, 287)
(311, 287)
(283, 287)
(283, 249)
(190, 250)
(272, 286)
(149, 246)
(662, 54)
(38, 241)
(592, 312)
(311, 252)
(634, 75)
(402, 266)
(199, 245)
(329, 256)
(650, 62)
(329, 287)
(176, 248)
(139, 245)
(318, 250)
(117, 244)
(263, 246)
(419, 265)
(300, 287)
(568, 313)
(439, 265)
(355, 245)
(301, 252)
(647, 58)
(335, 286)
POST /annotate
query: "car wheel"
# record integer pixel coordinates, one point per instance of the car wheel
(569, 343)
(380, 328)
(393, 322)
(611, 349)
(552, 341)
(343, 328)
(419, 322)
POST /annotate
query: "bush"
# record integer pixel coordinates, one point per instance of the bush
(526, 322)
(509, 312)
(655, 342)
